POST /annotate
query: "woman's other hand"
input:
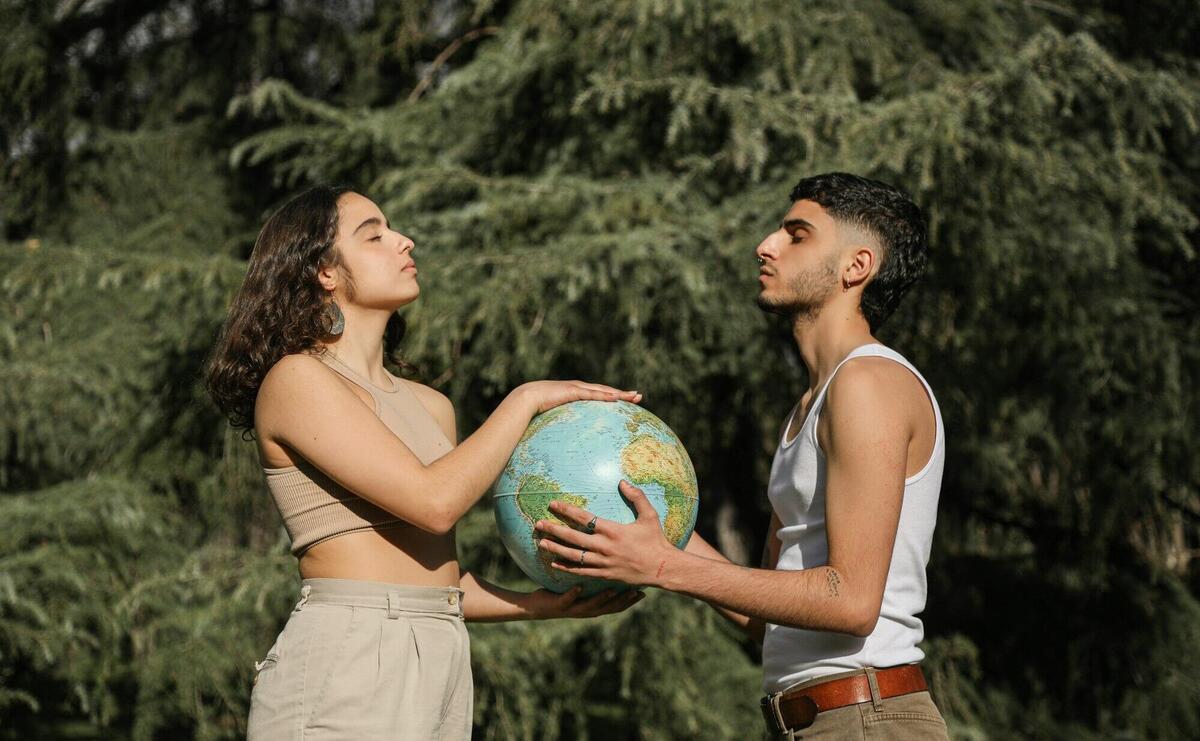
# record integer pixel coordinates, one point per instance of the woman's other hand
(544, 604)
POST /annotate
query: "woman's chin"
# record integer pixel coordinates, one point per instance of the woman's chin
(409, 296)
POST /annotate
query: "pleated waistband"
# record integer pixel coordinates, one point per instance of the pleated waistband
(381, 596)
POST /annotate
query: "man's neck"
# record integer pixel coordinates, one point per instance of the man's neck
(826, 339)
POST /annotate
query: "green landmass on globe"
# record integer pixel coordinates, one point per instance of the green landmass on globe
(578, 453)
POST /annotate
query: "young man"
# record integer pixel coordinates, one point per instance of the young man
(854, 485)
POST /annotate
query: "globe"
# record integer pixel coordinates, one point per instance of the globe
(578, 453)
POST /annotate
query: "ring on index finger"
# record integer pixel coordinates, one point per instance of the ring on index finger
(591, 526)
(582, 553)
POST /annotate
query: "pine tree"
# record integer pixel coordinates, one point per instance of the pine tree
(585, 183)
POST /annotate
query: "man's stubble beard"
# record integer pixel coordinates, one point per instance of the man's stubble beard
(806, 294)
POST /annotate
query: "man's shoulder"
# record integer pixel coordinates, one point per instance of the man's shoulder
(873, 386)
(873, 374)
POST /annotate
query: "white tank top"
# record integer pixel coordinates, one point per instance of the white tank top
(797, 494)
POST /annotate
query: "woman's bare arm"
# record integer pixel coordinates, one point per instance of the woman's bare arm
(304, 406)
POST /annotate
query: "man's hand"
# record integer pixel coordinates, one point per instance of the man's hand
(544, 604)
(632, 554)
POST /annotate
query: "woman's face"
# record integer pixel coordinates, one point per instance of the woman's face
(378, 259)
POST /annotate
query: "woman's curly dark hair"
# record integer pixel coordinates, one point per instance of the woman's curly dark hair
(281, 308)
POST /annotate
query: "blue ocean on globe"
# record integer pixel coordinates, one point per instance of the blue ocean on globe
(578, 453)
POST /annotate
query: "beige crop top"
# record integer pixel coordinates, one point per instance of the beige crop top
(314, 507)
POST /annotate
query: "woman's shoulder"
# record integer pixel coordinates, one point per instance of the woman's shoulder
(297, 362)
(295, 371)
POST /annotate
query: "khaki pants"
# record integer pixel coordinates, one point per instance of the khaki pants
(911, 717)
(366, 660)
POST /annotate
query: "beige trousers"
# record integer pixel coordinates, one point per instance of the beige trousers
(366, 660)
(911, 717)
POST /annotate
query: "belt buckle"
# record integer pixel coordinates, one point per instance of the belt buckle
(771, 714)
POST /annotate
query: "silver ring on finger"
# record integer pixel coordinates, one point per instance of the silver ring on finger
(582, 553)
(591, 526)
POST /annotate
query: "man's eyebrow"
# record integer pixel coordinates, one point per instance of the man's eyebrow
(373, 221)
(792, 225)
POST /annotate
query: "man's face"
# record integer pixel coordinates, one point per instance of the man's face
(799, 269)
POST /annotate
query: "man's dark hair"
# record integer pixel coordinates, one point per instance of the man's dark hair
(891, 217)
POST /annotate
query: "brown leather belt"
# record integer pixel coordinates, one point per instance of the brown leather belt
(788, 711)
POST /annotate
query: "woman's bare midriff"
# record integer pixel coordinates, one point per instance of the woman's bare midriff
(402, 554)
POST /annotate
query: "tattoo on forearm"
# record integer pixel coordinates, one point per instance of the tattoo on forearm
(834, 582)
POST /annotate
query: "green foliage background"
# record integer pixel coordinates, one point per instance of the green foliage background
(586, 182)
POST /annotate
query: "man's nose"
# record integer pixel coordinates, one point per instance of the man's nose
(765, 249)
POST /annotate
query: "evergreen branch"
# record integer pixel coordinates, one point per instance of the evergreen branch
(280, 98)
(444, 56)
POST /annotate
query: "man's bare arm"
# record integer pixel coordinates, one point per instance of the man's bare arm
(698, 546)
(865, 430)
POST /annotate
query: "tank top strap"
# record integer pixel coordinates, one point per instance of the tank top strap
(877, 350)
(399, 408)
(862, 351)
(357, 378)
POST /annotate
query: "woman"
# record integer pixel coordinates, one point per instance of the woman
(368, 476)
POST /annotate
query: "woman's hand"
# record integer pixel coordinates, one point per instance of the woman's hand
(544, 604)
(545, 395)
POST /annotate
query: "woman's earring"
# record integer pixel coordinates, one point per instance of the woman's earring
(336, 319)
